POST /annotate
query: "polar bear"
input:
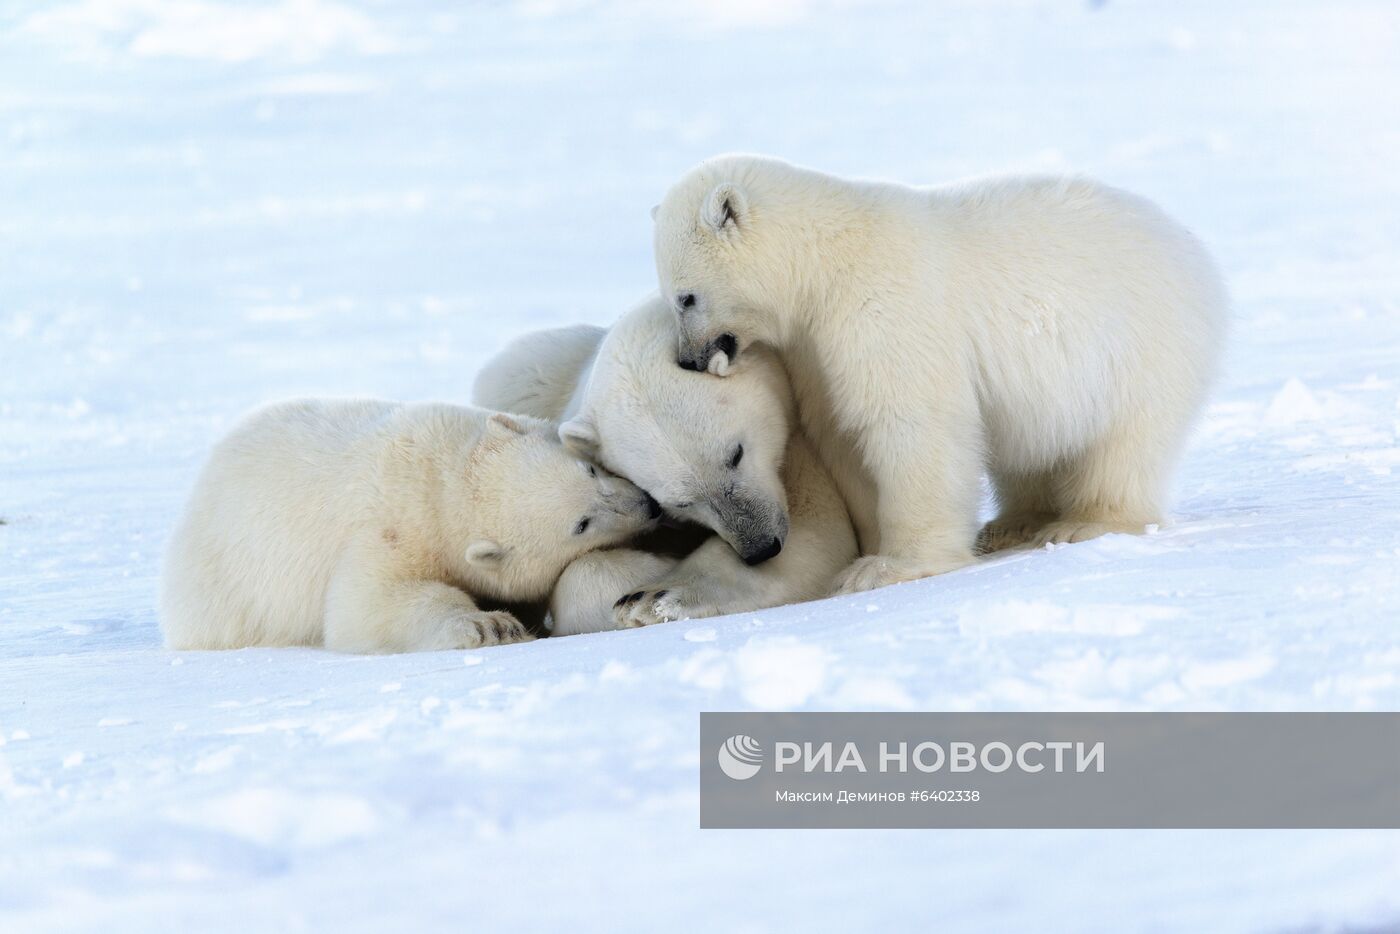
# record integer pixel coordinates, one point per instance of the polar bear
(720, 454)
(369, 526)
(1057, 332)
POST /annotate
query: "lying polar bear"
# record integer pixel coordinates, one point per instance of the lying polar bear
(368, 526)
(1058, 332)
(720, 453)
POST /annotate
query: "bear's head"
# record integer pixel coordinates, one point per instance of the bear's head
(724, 257)
(711, 451)
(529, 507)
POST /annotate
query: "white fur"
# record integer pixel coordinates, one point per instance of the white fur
(673, 433)
(585, 599)
(368, 526)
(1058, 332)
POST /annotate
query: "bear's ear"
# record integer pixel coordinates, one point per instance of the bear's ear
(726, 209)
(502, 421)
(484, 554)
(580, 437)
(655, 209)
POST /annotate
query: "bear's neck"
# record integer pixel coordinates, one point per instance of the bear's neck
(837, 242)
(427, 485)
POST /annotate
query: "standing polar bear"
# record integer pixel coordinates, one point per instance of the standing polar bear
(1059, 333)
(721, 454)
(368, 526)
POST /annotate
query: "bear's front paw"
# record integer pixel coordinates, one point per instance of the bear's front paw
(1067, 531)
(874, 571)
(475, 630)
(1010, 531)
(661, 604)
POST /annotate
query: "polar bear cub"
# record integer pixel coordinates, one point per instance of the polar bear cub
(369, 526)
(1056, 332)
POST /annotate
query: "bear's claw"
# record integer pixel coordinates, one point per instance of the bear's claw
(664, 605)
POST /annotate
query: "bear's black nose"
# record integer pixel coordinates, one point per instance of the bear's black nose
(763, 553)
(653, 508)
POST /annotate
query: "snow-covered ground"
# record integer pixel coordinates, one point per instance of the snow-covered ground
(207, 205)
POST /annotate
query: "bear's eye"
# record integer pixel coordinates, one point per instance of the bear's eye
(682, 505)
(591, 471)
(737, 456)
(582, 526)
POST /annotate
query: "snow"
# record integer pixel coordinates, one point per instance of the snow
(208, 205)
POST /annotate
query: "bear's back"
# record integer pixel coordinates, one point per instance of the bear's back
(249, 562)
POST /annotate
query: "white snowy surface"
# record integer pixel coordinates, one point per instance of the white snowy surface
(207, 205)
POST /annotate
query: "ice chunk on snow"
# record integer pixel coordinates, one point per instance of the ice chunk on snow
(1223, 673)
(780, 672)
(615, 670)
(270, 817)
(1292, 404)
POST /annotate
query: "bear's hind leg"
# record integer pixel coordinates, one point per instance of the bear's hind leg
(1117, 484)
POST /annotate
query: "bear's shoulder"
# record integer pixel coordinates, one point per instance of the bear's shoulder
(537, 373)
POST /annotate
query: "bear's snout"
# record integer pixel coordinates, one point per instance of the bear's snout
(763, 552)
(715, 356)
(755, 528)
